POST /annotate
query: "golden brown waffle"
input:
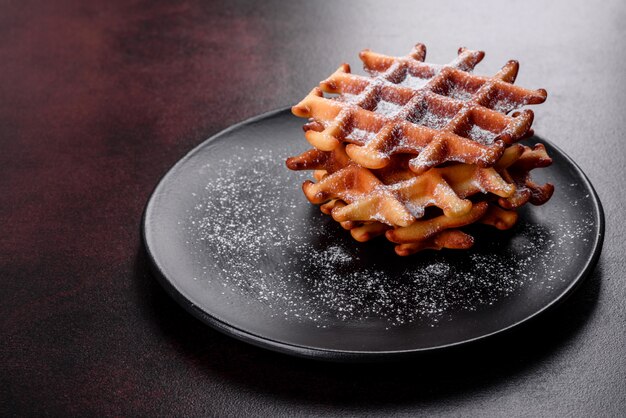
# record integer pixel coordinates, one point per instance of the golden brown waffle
(416, 136)
(372, 202)
(439, 113)
(434, 233)
(395, 197)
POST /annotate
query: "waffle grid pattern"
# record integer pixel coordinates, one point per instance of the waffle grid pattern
(416, 135)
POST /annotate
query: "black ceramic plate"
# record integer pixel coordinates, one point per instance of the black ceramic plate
(234, 240)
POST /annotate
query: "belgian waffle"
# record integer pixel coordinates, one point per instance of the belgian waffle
(417, 135)
(436, 113)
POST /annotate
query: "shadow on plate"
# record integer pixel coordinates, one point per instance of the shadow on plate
(473, 367)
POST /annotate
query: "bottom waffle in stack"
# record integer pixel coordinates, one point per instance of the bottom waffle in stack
(422, 211)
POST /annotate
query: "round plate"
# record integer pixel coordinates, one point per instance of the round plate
(234, 240)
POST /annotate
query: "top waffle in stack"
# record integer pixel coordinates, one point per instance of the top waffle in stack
(415, 135)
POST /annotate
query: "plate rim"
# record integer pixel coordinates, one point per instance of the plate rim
(350, 355)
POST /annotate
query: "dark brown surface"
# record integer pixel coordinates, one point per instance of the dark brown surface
(96, 103)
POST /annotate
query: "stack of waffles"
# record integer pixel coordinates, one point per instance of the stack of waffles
(416, 151)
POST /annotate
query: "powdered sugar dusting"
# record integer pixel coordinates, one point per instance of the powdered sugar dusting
(349, 98)
(505, 105)
(481, 136)
(458, 93)
(414, 82)
(257, 237)
(360, 136)
(431, 120)
(387, 109)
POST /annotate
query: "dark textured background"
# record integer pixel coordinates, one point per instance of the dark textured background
(98, 100)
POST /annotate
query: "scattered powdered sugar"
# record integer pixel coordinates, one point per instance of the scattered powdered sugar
(255, 236)
(334, 255)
